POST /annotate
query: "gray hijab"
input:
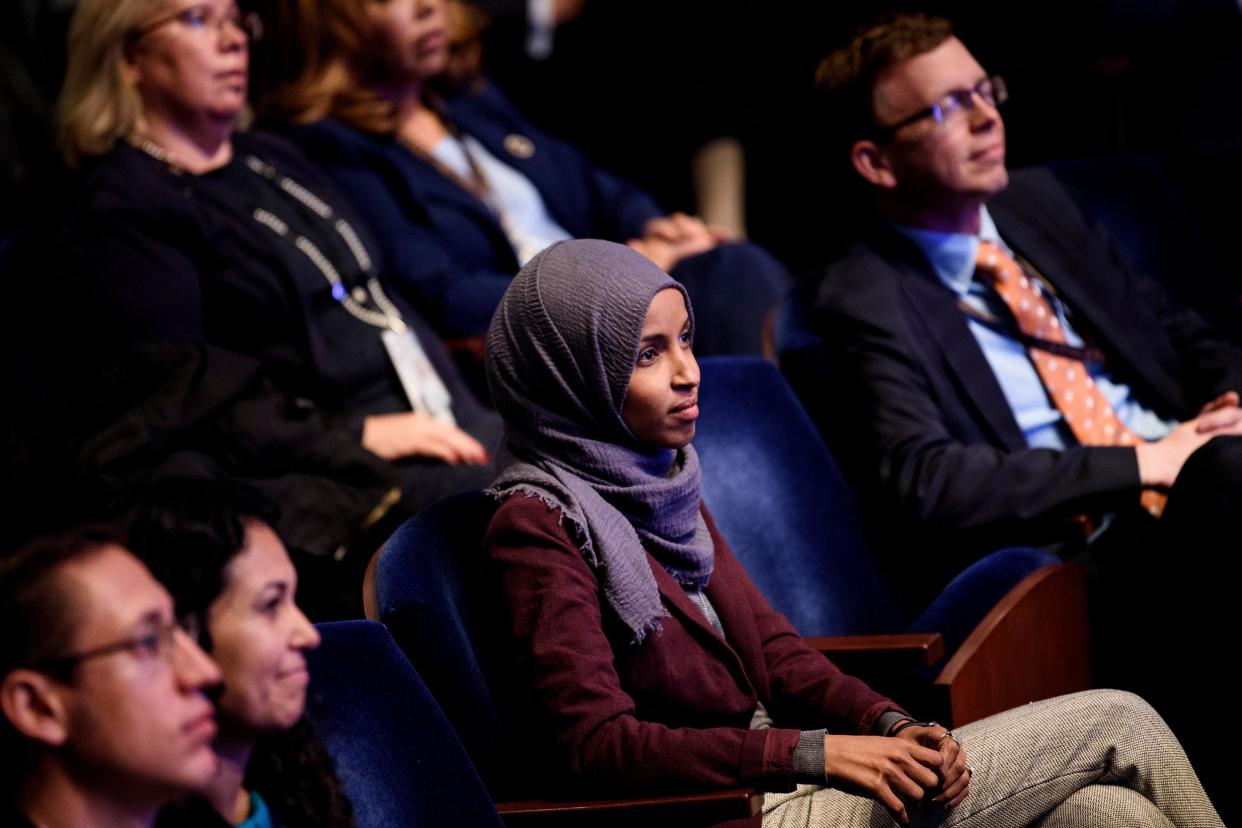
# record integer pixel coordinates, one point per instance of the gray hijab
(560, 352)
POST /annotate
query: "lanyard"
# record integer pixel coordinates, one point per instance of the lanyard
(421, 383)
(354, 301)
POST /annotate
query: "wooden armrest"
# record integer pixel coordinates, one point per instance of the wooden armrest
(888, 653)
(694, 809)
(370, 604)
(1034, 644)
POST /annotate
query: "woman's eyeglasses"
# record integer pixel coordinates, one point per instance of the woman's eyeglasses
(206, 19)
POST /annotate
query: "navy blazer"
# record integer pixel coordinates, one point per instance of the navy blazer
(928, 431)
(439, 240)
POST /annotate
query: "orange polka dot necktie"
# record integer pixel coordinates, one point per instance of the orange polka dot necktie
(1070, 387)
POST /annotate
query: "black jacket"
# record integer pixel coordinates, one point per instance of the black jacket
(920, 419)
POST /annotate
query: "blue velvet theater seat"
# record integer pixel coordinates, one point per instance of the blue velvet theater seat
(782, 504)
(1154, 232)
(1013, 624)
(791, 519)
(429, 589)
(400, 761)
(427, 586)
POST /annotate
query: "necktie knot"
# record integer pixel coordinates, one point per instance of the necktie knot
(995, 262)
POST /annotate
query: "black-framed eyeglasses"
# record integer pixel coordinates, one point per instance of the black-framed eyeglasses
(155, 645)
(991, 90)
(203, 18)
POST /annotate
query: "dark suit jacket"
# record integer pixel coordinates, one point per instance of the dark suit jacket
(925, 426)
(672, 712)
(440, 240)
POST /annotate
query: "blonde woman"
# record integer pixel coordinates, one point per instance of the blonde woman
(188, 229)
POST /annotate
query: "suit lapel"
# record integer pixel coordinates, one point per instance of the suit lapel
(936, 306)
(518, 146)
(431, 185)
(510, 145)
(1120, 336)
(436, 191)
(1047, 253)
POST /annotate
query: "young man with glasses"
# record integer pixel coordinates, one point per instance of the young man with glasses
(1000, 377)
(106, 716)
(1008, 373)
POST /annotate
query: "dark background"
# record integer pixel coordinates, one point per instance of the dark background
(640, 84)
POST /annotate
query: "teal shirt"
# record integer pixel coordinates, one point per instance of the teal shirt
(260, 816)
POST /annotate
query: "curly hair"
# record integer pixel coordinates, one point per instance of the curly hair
(294, 775)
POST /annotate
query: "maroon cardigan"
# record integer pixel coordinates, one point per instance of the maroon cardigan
(674, 711)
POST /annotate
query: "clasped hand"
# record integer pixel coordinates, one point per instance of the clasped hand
(1160, 462)
(899, 770)
(667, 240)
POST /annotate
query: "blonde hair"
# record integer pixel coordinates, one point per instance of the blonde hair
(98, 105)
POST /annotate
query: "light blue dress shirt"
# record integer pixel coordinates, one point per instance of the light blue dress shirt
(952, 257)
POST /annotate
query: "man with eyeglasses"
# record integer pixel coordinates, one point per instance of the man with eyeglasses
(998, 376)
(106, 717)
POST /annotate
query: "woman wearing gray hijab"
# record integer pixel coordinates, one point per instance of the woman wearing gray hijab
(655, 661)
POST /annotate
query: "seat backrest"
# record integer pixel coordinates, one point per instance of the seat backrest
(394, 750)
(783, 505)
(429, 591)
(1155, 233)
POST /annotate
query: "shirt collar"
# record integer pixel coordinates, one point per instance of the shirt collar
(952, 255)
